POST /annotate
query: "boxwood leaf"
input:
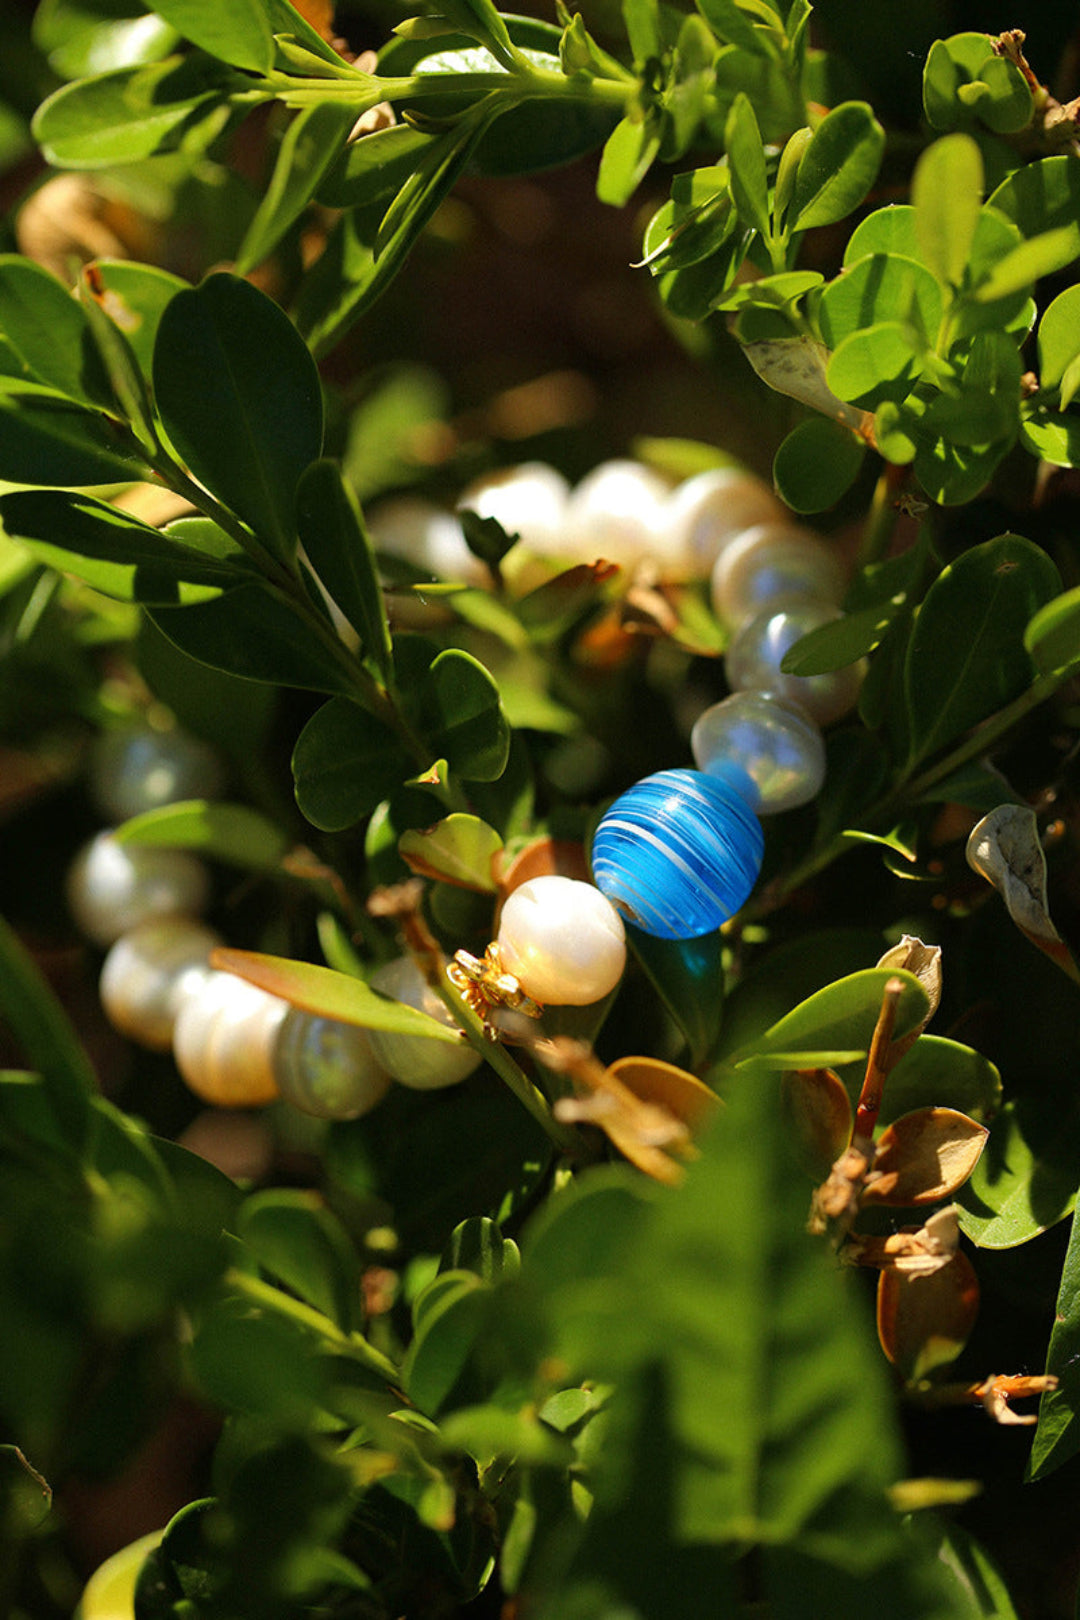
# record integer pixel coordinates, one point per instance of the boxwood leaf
(1015, 1192)
(456, 709)
(880, 286)
(40, 1025)
(1053, 635)
(1057, 1437)
(239, 394)
(840, 1017)
(1042, 196)
(838, 167)
(374, 167)
(226, 832)
(841, 642)
(816, 464)
(345, 763)
(746, 158)
(626, 159)
(49, 334)
(112, 551)
(1053, 436)
(135, 297)
(339, 548)
(239, 33)
(966, 657)
(1059, 337)
(255, 632)
(295, 1236)
(947, 195)
(458, 849)
(310, 145)
(134, 113)
(43, 441)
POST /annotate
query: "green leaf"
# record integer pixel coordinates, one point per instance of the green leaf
(888, 231)
(966, 658)
(134, 113)
(1038, 256)
(225, 832)
(730, 24)
(880, 287)
(688, 976)
(49, 334)
(255, 632)
(1059, 337)
(240, 398)
(454, 706)
(746, 160)
(126, 379)
(946, 191)
(1016, 1191)
(1052, 436)
(285, 21)
(876, 365)
(50, 1044)
(293, 1235)
(113, 552)
(135, 297)
(979, 1592)
(345, 763)
(81, 37)
(1053, 635)
(239, 33)
(447, 1333)
(771, 292)
(375, 167)
(627, 157)
(477, 1245)
(1057, 1437)
(312, 142)
(42, 442)
(839, 166)
(817, 464)
(954, 473)
(839, 643)
(939, 1073)
(839, 1018)
(1042, 196)
(964, 82)
(329, 994)
(339, 549)
(458, 849)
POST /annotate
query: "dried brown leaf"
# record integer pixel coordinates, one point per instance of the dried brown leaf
(924, 1321)
(818, 1110)
(923, 1157)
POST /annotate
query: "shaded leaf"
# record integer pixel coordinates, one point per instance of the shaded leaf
(345, 762)
(816, 465)
(226, 832)
(339, 548)
(838, 167)
(1053, 635)
(923, 1157)
(1015, 1191)
(924, 1319)
(1057, 1437)
(255, 632)
(947, 195)
(311, 144)
(295, 1236)
(459, 849)
(42, 442)
(239, 33)
(48, 333)
(134, 113)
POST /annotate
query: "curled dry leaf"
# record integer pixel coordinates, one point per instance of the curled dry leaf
(923, 1157)
(837, 1199)
(1004, 848)
(818, 1110)
(914, 1252)
(924, 1320)
(912, 956)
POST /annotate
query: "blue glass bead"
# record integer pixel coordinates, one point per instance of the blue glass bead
(678, 853)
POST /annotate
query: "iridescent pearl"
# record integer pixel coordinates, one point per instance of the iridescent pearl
(754, 657)
(616, 512)
(529, 501)
(678, 853)
(224, 1041)
(149, 972)
(705, 513)
(414, 1060)
(769, 750)
(770, 564)
(113, 887)
(423, 534)
(563, 942)
(327, 1068)
(139, 769)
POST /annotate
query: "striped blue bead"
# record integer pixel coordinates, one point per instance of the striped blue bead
(678, 853)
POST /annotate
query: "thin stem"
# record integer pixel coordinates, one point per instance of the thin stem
(878, 1065)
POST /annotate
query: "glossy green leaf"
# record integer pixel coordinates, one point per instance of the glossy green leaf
(225, 832)
(1038, 256)
(1052, 436)
(1059, 337)
(255, 632)
(477, 1245)
(1057, 1437)
(111, 550)
(285, 20)
(374, 167)
(126, 380)
(730, 24)
(239, 33)
(839, 166)
(939, 1073)
(345, 762)
(839, 643)
(312, 142)
(40, 1025)
(332, 531)
(627, 157)
(81, 37)
(953, 473)
(45, 442)
(875, 365)
(239, 394)
(454, 706)
(458, 849)
(1042, 196)
(978, 1590)
(947, 195)
(446, 1336)
(771, 292)
(817, 463)
(839, 1018)
(1015, 1191)
(135, 297)
(328, 994)
(134, 113)
(967, 658)
(302, 1243)
(48, 333)
(1053, 635)
(880, 287)
(681, 234)
(688, 976)
(965, 82)
(746, 160)
(887, 231)
(1000, 96)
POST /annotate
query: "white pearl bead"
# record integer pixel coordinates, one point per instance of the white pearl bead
(423, 534)
(327, 1068)
(112, 887)
(529, 501)
(414, 1060)
(770, 564)
(139, 769)
(562, 940)
(754, 657)
(767, 748)
(149, 972)
(224, 1041)
(616, 512)
(707, 511)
